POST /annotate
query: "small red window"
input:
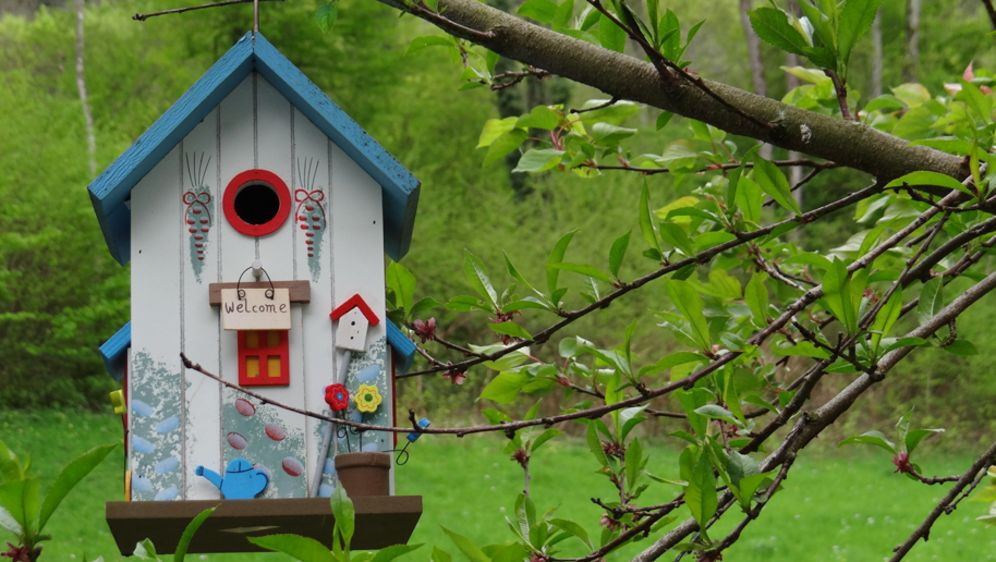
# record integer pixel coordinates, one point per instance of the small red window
(263, 358)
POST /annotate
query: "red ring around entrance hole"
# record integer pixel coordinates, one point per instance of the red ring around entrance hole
(248, 177)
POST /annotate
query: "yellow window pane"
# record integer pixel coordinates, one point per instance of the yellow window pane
(252, 339)
(252, 367)
(273, 366)
(272, 338)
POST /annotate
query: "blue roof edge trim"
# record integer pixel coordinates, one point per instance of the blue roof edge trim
(113, 351)
(110, 190)
(400, 187)
(403, 347)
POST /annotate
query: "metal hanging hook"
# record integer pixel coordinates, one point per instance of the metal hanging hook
(255, 17)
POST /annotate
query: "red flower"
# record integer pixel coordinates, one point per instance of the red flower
(337, 397)
(425, 329)
(902, 462)
(455, 377)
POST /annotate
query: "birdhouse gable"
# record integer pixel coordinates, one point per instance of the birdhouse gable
(352, 319)
(111, 191)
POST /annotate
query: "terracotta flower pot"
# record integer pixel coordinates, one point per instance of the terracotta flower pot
(364, 474)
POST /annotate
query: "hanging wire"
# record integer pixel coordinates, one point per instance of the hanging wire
(145, 16)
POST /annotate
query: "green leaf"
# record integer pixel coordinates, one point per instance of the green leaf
(756, 296)
(540, 117)
(505, 387)
(440, 555)
(401, 282)
(510, 328)
(748, 199)
(145, 550)
(538, 160)
(557, 256)
(326, 15)
(647, 226)
(474, 269)
(931, 299)
(467, 547)
(617, 253)
(717, 413)
(393, 552)
(495, 128)
(748, 486)
(583, 269)
(772, 26)
(915, 436)
(305, 549)
(611, 36)
(542, 11)
(874, 438)
(886, 319)
(188, 533)
(574, 529)
(801, 349)
(595, 445)
(855, 20)
(686, 299)
(503, 145)
(673, 360)
(700, 495)
(773, 182)
(961, 347)
(607, 134)
(69, 478)
(344, 513)
(924, 178)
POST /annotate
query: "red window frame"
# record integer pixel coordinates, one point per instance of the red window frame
(260, 353)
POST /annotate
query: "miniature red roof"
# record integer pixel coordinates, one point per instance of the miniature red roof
(354, 302)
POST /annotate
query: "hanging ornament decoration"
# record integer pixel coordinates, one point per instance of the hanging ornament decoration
(367, 398)
(337, 397)
(310, 212)
(197, 209)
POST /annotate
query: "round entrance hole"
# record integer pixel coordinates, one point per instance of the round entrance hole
(256, 202)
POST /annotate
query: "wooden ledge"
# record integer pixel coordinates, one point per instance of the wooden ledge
(300, 291)
(380, 521)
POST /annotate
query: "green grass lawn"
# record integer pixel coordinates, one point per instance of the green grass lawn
(848, 506)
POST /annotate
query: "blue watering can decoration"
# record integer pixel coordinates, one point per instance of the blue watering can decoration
(240, 482)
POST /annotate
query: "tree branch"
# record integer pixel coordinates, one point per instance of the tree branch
(946, 505)
(845, 142)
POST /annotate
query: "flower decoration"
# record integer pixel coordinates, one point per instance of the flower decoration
(367, 398)
(337, 397)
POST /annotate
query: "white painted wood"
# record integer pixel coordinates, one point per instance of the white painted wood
(351, 331)
(237, 153)
(200, 320)
(314, 262)
(276, 252)
(357, 243)
(155, 390)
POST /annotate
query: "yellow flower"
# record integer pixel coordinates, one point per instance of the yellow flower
(367, 398)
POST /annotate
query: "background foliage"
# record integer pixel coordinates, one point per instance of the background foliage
(61, 294)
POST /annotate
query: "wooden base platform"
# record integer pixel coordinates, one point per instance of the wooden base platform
(380, 521)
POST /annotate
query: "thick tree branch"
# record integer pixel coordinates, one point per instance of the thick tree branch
(847, 143)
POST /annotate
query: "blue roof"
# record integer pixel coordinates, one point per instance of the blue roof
(111, 189)
(113, 351)
(403, 347)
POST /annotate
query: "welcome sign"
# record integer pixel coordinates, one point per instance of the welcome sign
(256, 310)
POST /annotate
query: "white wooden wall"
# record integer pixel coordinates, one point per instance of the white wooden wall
(254, 127)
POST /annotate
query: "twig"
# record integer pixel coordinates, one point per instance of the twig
(711, 167)
(418, 8)
(932, 480)
(508, 79)
(668, 70)
(947, 504)
(608, 103)
(147, 15)
(841, 90)
(991, 11)
(624, 288)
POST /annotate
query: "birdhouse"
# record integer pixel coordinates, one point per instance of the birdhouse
(256, 215)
